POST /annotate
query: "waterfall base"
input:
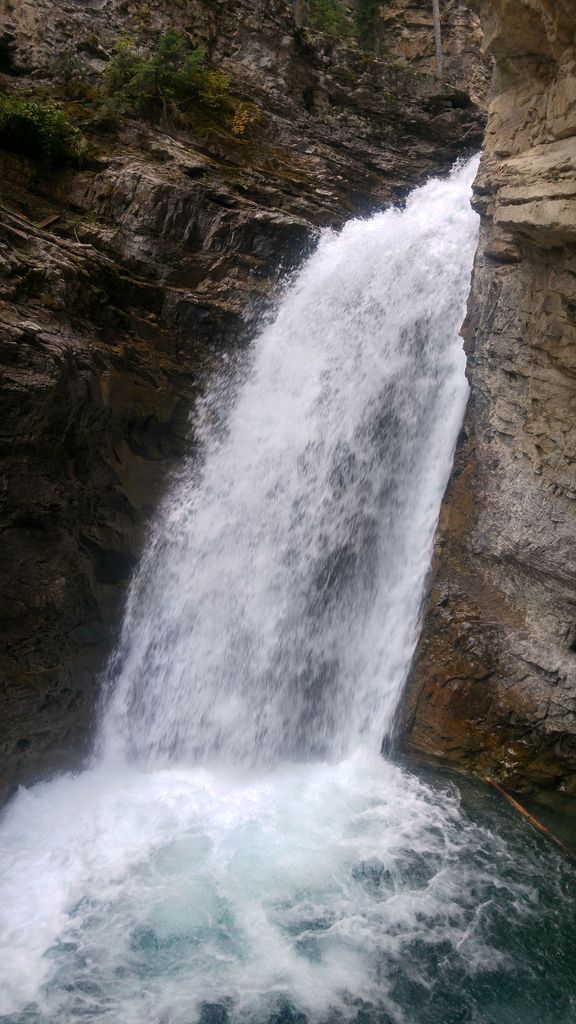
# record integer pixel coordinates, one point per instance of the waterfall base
(349, 892)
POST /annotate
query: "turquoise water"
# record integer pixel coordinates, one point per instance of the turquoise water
(321, 893)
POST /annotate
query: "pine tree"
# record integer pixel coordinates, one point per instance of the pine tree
(366, 18)
(328, 16)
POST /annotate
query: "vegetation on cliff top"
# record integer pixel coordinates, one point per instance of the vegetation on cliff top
(168, 78)
(334, 18)
(328, 16)
(42, 131)
(366, 21)
(170, 81)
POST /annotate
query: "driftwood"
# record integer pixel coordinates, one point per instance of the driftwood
(532, 820)
(48, 220)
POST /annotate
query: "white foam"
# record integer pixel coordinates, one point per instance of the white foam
(275, 614)
(175, 887)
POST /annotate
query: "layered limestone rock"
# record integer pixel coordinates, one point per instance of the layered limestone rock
(494, 682)
(405, 31)
(125, 285)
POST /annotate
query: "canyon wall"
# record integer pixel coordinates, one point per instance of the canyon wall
(128, 282)
(405, 29)
(493, 685)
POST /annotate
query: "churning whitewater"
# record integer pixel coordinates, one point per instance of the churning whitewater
(274, 617)
(239, 851)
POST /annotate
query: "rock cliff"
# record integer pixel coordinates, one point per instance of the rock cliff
(127, 282)
(405, 29)
(493, 687)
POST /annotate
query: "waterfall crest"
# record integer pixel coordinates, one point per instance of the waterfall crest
(275, 614)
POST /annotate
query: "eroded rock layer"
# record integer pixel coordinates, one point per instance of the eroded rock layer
(494, 682)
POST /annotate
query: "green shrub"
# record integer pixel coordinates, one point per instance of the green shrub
(366, 22)
(41, 131)
(70, 72)
(245, 117)
(328, 16)
(167, 80)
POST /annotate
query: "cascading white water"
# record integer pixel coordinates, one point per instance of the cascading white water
(274, 616)
(239, 851)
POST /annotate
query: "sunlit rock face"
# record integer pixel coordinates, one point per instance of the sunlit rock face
(114, 315)
(494, 683)
(405, 31)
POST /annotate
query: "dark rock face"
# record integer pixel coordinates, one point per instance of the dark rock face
(494, 681)
(114, 315)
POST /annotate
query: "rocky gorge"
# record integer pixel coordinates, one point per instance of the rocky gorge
(288, 696)
(127, 281)
(130, 280)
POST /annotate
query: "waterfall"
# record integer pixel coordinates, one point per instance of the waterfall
(238, 852)
(275, 614)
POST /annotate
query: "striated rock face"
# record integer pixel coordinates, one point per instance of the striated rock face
(127, 284)
(494, 680)
(406, 32)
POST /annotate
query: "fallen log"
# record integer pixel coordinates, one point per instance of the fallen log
(532, 820)
(48, 221)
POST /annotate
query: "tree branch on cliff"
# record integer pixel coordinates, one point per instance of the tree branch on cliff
(437, 36)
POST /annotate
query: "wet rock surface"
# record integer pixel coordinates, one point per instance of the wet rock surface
(127, 284)
(493, 686)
